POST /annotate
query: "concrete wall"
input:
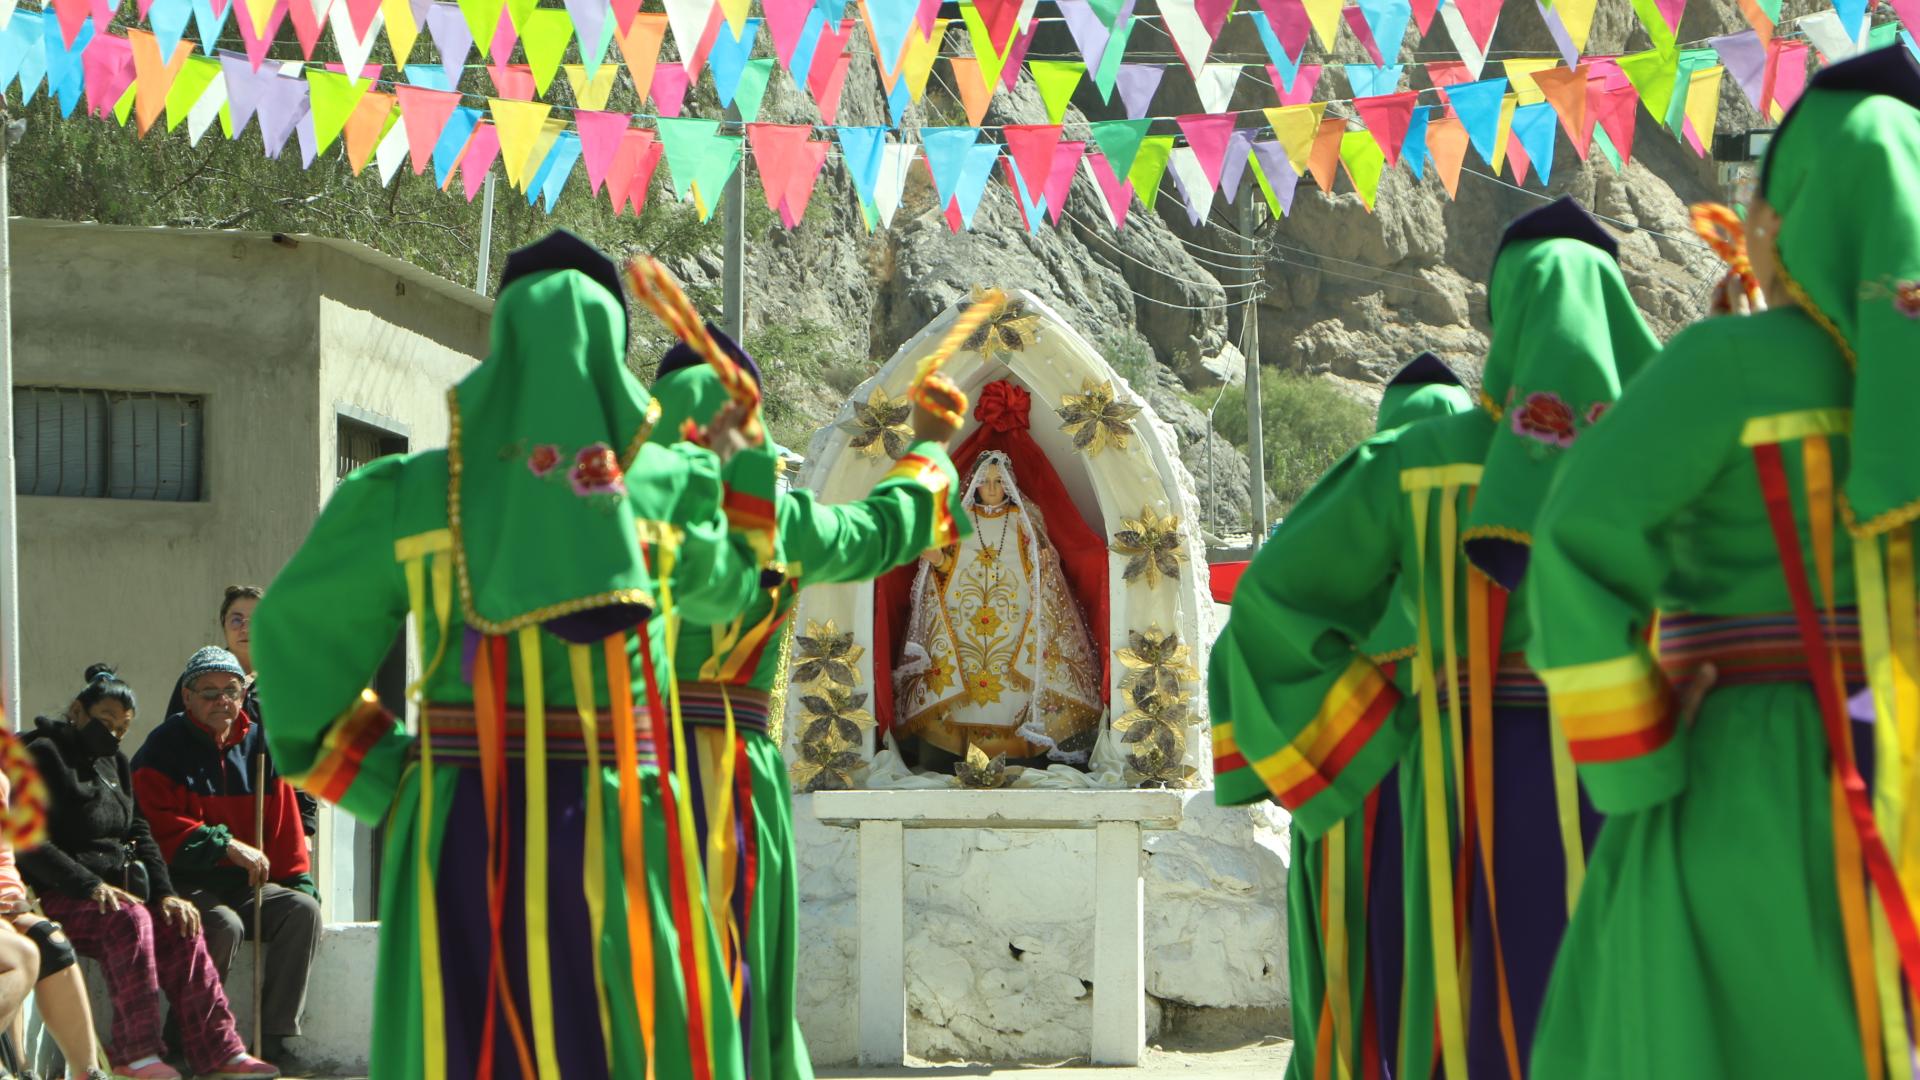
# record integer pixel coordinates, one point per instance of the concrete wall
(275, 336)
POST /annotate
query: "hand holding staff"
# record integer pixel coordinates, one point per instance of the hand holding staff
(1726, 234)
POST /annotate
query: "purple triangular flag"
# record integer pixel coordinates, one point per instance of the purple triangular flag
(448, 28)
(1089, 33)
(309, 140)
(589, 19)
(1745, 56)
(244, 87)
(1234, 172)
(1198, 199)
(1138, 83)
(1279, 173)
(1561, 39)
(283, 101)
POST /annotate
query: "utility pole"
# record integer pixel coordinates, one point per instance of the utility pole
(733, 318)
(1250, 349)
(9, 504)
(486, 238)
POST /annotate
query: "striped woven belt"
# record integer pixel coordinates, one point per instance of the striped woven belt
(456, 735)
(1749, 649)
(704, 704)
(1515, 686)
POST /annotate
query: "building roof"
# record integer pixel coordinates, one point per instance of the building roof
(400, 268)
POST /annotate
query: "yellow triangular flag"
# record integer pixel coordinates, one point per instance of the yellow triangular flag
(1520, 75)
(1506, 128)
(153, 78)
(542, 146)
(591, 93)
(917, 62)
(1325, 17)
(1703, 102)
(736, 13)
(1577, 17)
(519, 124)
(260, 11)
(402, 31)
(1295, 127)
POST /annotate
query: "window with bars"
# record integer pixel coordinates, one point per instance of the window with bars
(108, 444)
(358, 444)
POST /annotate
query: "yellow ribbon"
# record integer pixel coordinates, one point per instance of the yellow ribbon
(1889, 790)
(1339, 973)
(539, 948)
(432, 1004)
(593, 877)
(1446, 977)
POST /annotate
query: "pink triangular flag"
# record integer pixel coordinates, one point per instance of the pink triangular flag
(1387, 118)
(1517, 157)
(1117, 192)
(643, 176)
(1673, 10)
(669, 89)
(71, 14)
(833, 42)
(257, 44)
(1479, 17)
(1208, 135)
(1213, 14)
(1787, 73)
(1617, 109)
(482, 150)
(107, 65)
(1303, 85)
(1066, 162)
(786, 20)
(776, 151)
(360, 14)
(601, 136)
(828, 94)
(1290, 24)
(504, 35)
(633, 145)
(1032, 148)
(307, 23)
(623, 13)
(1017, 57)
(1357, 22)
(511, 81)
(803, 173)
(928, 13)
(426, 112)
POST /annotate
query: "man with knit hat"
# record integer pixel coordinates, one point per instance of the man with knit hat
(195, 781)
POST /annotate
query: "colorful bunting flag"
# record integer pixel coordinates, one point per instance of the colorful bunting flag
(1566, 90)
(1447, 143)
(1207, 138)
(1364, 163)
(1278, 182)
(1190, 180)
(1119, 141)
(1387, 118)
(1056, 81)
(1116, 195)
(1066, 162)
(1031, 147)
(1324, 160)
(1138, 83)
(1533, 128)
(1149, 165)
(1215, 85)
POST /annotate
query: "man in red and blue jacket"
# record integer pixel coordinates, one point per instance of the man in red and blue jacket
(194, 779)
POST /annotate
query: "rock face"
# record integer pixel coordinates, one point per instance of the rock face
(1000, 937)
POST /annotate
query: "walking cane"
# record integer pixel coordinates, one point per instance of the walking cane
(259, 917)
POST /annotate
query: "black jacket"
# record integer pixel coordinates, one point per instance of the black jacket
(94, 826)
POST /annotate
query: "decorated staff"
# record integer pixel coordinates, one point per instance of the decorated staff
(1726, 234)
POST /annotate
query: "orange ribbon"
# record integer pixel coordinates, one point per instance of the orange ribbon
(1726, 234)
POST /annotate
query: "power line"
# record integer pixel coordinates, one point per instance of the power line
(1690, 241)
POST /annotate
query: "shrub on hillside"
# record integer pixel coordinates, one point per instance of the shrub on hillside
(1307, 424)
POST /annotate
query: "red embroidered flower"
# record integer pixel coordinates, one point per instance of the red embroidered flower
(1002, 407)
(543, 459)
(1597, 410)
(1906, 298)
(596, 471)
(1546, 418)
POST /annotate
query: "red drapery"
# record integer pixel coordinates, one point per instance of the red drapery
(1002, 413)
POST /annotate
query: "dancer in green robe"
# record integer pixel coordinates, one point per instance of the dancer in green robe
(541, 912)
(1756, 488)
(1316, 719)
(726, 670)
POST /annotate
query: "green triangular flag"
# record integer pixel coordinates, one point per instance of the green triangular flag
(187, 87)
(544, 35)
(1120, 141)
(334, 98)
(483, 18)
(1605, 142)
(1361, 154)
(1149, 164)
(753, 87)
(1884, 35)
(1108, 10)
(1656, 23)
(991, 60)
(1266, 189)
(1110, 60)
(699, 157)
(124, 107)
(1652, 74)
(1691, 60)
(520, 11)
(1057, 80)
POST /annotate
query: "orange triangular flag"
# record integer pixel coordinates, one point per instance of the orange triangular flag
(640, 47)
(1447, 142)
(152, 78)
(974, 92)
(365, 126)
(1566, 90)
(1325, 162)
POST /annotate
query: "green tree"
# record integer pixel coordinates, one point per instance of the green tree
(1307, 425)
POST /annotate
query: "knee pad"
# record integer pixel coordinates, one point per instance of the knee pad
(56, 949)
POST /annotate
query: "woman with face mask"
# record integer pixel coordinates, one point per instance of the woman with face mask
(101, 875)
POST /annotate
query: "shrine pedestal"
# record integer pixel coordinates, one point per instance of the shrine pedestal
(882, 817)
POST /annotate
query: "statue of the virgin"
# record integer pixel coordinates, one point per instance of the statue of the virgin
(997, 654)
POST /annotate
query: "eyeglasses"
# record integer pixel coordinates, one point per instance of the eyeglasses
(231, 693)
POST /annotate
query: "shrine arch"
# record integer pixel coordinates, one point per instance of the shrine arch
(1135, 475)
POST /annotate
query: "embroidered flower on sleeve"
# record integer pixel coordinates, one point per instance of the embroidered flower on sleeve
(1597, 410)
(543, 459)
(1546, 418)
(1906, 298)
(596, 471)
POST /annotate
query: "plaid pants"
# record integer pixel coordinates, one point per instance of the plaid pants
(141, 956)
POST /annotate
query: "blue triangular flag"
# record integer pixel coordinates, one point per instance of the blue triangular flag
(20, 38)
(430, 76)
(1851, 13)
(1372, 80)
(208, 25)
(891, 20)
(552, 175)
(1534, 126)
(972, 181)
(1477, 104)
(946, 149)
(729, 56)
(1388, 21)
(1034, 209)
(66, 77)
(860, 154)
(1913, 46)
(809, 43)
(169, 20)
(1276, 52)
(1413, 150)
(453, 142)
(898, 100)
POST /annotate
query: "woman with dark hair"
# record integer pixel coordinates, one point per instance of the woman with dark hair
(102, 876)
(236, 622)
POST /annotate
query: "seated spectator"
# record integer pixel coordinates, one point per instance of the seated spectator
(236, 622)
(61, 991)
(103, 878)
(194, 778)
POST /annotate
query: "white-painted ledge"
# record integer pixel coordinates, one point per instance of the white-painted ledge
(1000, 809)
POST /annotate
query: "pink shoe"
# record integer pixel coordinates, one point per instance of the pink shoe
(158, 1070)
(244, 1067)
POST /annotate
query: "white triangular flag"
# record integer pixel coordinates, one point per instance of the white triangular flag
(1182, 24)
(1824, 29)
(354, 50)
(207, 109)
(896, 160)
(1463, 43)
(1215, 85)
(392, 151)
